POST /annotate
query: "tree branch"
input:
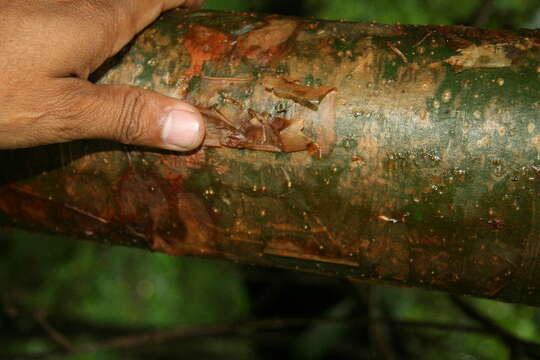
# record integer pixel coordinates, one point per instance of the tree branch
(517, 346)
(53, 333)
(228, 329)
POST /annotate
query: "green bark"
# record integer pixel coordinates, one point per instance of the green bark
(394, 154)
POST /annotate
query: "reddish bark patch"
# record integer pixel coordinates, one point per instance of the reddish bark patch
(484, 35)
(144, 204)
(45, 213)
(198, 229)
(173, 221)
(456, 43)
(390, 259)
(204, 44)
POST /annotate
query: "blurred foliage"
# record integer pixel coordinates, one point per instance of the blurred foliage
(119, 287)
(485, 13)
(97, 292)
(83, 281)
(91, 292)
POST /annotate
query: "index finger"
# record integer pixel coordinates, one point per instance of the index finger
(132, 16)
(102, 27)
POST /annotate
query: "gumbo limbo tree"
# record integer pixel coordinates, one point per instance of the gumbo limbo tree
(397, 154)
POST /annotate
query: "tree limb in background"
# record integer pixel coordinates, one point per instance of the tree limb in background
(246, 328)
(57, 337)
(518, 347)
(484, 13)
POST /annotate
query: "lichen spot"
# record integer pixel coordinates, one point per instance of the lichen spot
(500, 81)
(446, 96)
(530, 128)
(424, 115)
(536, 142)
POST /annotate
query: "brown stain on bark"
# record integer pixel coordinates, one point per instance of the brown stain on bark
(389, 259)
(295, 254)
(144, 202)
(42, 212)
(200, 230)
(172, 220)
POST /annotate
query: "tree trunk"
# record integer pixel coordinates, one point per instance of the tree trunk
(394, 154)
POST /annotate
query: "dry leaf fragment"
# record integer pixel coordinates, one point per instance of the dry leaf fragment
(484, 56)
(304, 95)
(293, 139)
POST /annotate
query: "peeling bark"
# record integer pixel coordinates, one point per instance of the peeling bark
(398, 154)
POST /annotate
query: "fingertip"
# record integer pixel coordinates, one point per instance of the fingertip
(171, 4)
(183, 128)
(194, 3)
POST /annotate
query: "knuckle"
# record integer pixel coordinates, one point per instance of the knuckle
(101, 16)
(130, 127)
(97, 8)
(61, 112)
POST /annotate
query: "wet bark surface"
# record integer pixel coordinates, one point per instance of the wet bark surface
(383, 153)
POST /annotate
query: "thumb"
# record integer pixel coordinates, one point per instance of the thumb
(127, 114)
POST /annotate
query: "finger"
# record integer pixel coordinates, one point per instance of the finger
(91, 31)
(135, 15)
(132, 16)
(63, 38)
(194, 3)
(81, 110)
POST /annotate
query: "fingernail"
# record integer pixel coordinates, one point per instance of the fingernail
(182, 129)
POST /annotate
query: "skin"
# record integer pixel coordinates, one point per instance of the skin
(50, 47)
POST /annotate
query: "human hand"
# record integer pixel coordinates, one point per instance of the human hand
(48, 50)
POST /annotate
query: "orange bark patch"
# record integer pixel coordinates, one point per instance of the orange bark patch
(204, 44)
